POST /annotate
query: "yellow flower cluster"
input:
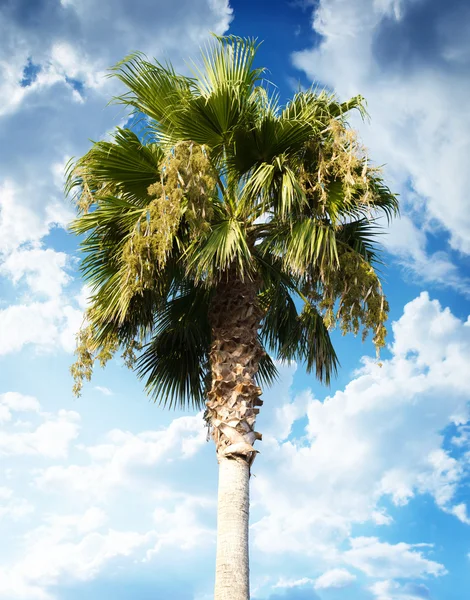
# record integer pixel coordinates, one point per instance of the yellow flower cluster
(339, 160)
(353, 298)
(186, 183)
(88, 351)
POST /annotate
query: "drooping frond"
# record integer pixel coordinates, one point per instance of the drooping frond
(267, 371)
(361, 236)
(174, 363)
(294, 335)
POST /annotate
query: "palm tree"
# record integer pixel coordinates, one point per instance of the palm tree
(232, 230)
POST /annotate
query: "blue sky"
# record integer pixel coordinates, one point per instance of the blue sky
(360, 491)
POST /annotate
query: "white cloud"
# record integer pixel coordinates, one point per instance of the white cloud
(19, 222)
(293, 583)
(104, 390)
(70, 547)
(180, 526)
(335, 578)
(361, 448)
(107, 33)
(50, 438)
(113, 463)
(12, 507)
(383, 560)
(44, 317)
(376, 49)
(391, 590)
(47, 325)
(12, 402)
(408, 243)
(43, 270)
(83, 298)
(461, 512)
(66, 548)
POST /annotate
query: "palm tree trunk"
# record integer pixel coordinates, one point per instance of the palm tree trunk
(231, 410)
(232, 575)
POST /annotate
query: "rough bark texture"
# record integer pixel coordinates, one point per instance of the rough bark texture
(235, 353)
(231, 410)
(232, 577)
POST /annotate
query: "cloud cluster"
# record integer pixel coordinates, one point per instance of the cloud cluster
(53, 60)
(391, 590)
(334, 578)
(360, 453)
(82, 531)
(325, 469)
(72, 547)
(115, 463)
(45, 434)
(411, 61)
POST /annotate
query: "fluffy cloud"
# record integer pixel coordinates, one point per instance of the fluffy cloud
(391, 590)
(12, 402)
(13, 507)
(335, 578)
(19, 222)
(114, 462)
(67, 547)
(383, 560)
(47, 325)
(53, 59)
(42, 269)
(410, 60)
(50, 438)
(76, 546)
(360, 449)
(51, 52)
(180, 526)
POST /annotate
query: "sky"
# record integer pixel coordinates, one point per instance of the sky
(360, 490)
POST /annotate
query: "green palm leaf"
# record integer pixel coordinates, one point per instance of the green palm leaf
(174, 363)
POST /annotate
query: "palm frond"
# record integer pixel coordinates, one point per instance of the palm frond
(294, 335)
(263, 142)
(174, 363)
(361, 237)
(314, 344)
(155, 90)
(267, 371)
(385, 201)
(227, 63)
(123, 166)
(281, 317)
(307, 243)
(208, 257)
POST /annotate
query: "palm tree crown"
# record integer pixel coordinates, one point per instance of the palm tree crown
(225, 186)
